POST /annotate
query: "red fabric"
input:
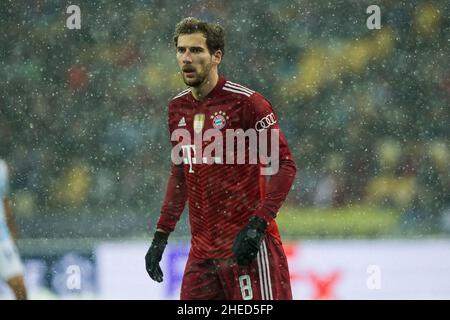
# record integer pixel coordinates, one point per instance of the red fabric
(222, 197)
(223, 279)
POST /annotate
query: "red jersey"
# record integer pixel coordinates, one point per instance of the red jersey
(222, 197)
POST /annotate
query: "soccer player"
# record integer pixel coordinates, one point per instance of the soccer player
(236, 252)
(11, 268)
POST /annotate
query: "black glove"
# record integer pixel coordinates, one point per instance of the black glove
(154, 255)
(248, 240)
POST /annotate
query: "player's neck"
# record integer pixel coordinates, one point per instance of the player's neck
(201, 91)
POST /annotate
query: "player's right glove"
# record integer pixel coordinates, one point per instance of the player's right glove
(154, 255)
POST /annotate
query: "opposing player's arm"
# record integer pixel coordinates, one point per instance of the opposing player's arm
(261, 116)
(4, 199)
(10, 221)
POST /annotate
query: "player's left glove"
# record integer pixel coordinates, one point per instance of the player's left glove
(248, 240)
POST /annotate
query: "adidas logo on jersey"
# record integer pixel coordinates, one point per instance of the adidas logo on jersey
(182, 122)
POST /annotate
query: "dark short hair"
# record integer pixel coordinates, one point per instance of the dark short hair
(213, 32)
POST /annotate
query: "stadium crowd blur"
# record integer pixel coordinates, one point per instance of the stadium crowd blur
(83, 112)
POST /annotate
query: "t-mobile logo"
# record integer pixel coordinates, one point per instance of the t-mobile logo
(189, 157)
(241, 147)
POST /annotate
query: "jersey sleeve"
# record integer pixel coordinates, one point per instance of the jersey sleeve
(176, 191)
(261, 117)
(174, 200)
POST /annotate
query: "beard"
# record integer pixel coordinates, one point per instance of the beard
(194, 82)
(199, 77)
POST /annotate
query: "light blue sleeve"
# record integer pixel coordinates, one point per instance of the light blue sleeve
(4, 232)
(3, 179)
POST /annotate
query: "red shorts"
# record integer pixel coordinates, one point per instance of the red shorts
(266, 278)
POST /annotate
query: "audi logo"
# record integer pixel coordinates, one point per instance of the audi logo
(265, 122)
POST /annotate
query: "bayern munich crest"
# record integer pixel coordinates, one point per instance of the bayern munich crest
(219, 119)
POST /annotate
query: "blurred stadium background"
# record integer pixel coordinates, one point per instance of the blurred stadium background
(366, 114)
